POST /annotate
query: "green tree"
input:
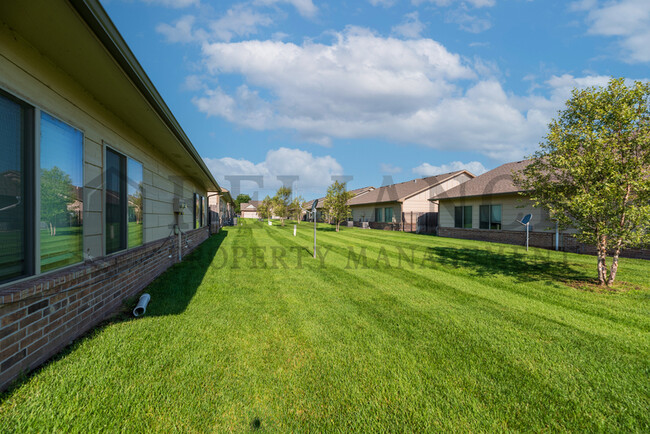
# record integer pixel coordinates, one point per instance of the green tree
(336, 203)
(296, 208)
(57, 192)
(241, 198)
(281, 202)
(265, 208)
(593, 170)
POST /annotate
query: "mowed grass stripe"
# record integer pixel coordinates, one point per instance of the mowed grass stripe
(336, 349)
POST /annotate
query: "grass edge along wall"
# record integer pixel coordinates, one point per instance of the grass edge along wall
(104, 158)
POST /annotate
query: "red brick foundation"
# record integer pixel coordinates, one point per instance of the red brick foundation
(42, 315)
(545, 240)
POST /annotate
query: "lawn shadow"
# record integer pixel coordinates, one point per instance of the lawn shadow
(523, 266)
(173, 290)
(171, 293)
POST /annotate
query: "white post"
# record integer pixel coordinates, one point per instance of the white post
(294, 230)
(314, 213)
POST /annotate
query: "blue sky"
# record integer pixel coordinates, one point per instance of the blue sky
(375, 88)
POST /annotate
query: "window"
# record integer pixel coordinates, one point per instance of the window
(61, 198)
(115, 201)
(388, 215)
(124, 202)
(463, 217)
(197, 210)
(135, 209)
(490, 216)
(16, 188)
(378, 214)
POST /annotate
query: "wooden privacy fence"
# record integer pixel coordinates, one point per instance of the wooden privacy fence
(420, 222)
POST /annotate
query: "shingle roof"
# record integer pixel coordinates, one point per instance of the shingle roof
(355, 192)
(254, 203)
(496, 181)
(403, 190)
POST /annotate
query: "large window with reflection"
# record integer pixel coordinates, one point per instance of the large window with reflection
(61, 198)
(124, 202)
(16, 203)
(115, 169)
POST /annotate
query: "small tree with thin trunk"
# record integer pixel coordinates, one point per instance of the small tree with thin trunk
(265, 208)
(336, 203)
(593, 171)
(295, 208)
(281, 203)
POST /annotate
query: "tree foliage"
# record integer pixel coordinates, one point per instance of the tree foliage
(593, 170)
(296, 208)
(57, 192)
(265, 208)
(241, 198)
(281, 202)
(336, 203)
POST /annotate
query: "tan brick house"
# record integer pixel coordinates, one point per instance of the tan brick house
(100, 188)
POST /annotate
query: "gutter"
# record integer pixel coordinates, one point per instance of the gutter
(102, 26)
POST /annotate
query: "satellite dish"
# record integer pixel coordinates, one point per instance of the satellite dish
(526, 219)
(313, 205)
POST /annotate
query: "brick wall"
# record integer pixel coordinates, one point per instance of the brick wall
(42, 315)
(545, 240)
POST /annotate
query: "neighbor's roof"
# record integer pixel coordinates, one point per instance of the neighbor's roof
(496, 181)
(90, 35)
(355, 192)
(250, 206)
(403, 190)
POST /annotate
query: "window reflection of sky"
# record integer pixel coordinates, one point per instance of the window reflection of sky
(61, 146)
(134, 174)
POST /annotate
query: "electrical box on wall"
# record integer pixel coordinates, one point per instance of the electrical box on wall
(179, 206)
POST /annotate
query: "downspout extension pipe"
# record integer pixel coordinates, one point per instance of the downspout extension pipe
(141, 307)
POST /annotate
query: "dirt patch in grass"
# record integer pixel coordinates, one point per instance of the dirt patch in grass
(593, 285)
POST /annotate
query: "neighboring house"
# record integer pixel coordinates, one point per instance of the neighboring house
(320, 213)
(99, 186)
(490, 207)
(248, 210)
(393, 205)
(222, 208)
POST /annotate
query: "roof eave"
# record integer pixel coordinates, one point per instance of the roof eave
(102, 26)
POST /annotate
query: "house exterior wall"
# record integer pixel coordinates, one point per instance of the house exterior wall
(513, 208)
(421, 203)
(41, 314)
(367, 212)
(249, 214)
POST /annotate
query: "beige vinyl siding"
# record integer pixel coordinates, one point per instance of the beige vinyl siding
(421, 203)
(367, 212)
(513, 209)
(28, 75)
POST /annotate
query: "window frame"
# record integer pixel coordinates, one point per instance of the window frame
(465, 217)
(489, 224)
(125, 207)
(379, 214)
(31, 167)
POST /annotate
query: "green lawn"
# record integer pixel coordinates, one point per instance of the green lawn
(469, 336)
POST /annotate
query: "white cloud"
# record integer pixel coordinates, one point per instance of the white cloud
(365, 86)
(426, 169)
(626, 20)
(174, 3)
(468, 22)
(384, 3)
(306, 8)
(389, 168)
(474, 3)
(239, 21)
(314, 173)
(181, 31)
(411, 26)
